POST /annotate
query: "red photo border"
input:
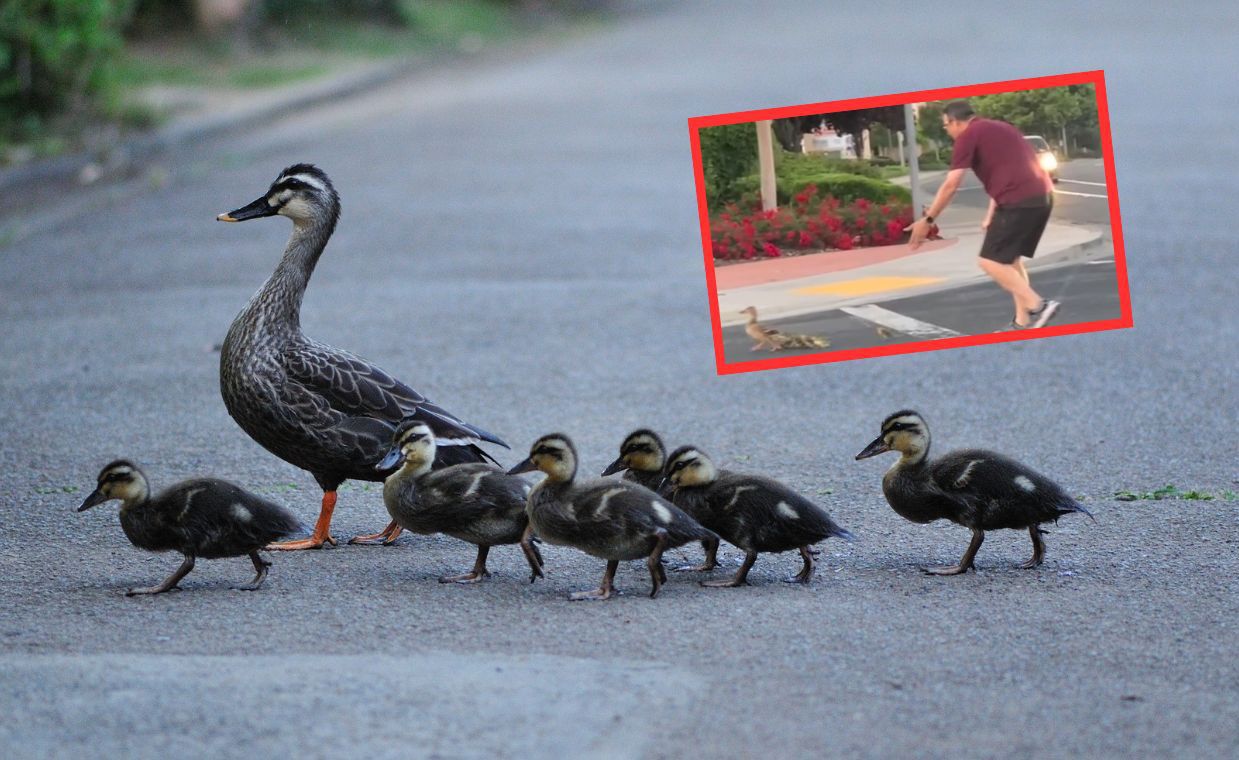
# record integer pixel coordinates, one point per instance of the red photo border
(1097, 78)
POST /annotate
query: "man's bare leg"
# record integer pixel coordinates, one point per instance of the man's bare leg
(1019, 264)
(1013, 280)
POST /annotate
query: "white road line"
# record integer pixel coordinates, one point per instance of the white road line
(1102, 262)
(897, 322)
(1082, 182)
(1082, 195)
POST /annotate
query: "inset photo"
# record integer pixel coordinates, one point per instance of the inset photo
(911, 222)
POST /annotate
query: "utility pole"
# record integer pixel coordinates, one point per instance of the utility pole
(914, 178)
(765, 159)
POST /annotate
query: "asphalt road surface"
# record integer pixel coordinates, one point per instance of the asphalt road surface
(520, 242)
(1087, 290)
(1080, 196)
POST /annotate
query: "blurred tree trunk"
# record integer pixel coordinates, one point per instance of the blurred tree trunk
(219, 16)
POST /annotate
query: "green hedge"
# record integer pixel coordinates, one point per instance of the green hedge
(727, 153)
(805, 164)
(845, 187)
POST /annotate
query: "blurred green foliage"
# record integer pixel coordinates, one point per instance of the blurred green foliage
(57, 57)
(383, 11)
(64, 63)
(728, 153)
(844, 186)
(729, 163)
(804, 164)
(1051, 112)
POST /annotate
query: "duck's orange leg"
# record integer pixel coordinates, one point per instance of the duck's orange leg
(386, 537)
(321, 534)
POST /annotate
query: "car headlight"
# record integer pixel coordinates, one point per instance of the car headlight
(1048, 162)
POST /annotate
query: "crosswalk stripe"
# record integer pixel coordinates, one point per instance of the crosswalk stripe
(1083, 182)
(1082, 195)
(897, 322)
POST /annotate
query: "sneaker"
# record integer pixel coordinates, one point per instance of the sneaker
(1043, 315)
(1013, 326)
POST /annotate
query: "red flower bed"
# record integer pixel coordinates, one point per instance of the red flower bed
(808, 224)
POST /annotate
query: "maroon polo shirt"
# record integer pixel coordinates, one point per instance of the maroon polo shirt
(1002, 159)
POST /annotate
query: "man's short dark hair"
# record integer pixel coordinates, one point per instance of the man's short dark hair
(960, 110)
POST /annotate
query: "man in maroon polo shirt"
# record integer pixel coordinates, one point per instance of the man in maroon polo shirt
(1021, 198)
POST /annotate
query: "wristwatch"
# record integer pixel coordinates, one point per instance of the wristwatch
(929, 219)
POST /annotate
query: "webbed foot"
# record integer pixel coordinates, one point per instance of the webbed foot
(945, 570)
(385, 537)
(728, 583)
(313, 542)
(473, 576)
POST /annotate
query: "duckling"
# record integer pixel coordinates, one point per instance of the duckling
(641, 457)
(774, 340)
(204, 517)
(980, 490)
(317, 407)
(755, 513)
(610, 519)
(475, 502)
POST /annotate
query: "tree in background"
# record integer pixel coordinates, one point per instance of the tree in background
(728, 153)
(56, 57)
(1056, 113)
(790, 131)
(929, 126)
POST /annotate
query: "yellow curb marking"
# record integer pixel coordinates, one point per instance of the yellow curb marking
(866, 285)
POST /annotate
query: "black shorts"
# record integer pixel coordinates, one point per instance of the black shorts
(1016, 229)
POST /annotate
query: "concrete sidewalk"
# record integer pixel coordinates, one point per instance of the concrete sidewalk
(951, 264)
(905, 180)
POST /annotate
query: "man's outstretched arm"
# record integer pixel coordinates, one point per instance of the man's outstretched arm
(920, 228)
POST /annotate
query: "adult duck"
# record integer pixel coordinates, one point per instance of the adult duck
(322, 409)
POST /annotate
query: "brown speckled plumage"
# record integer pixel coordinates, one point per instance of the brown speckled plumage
(322, 409)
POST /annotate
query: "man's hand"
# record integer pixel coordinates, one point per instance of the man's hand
(920, 231)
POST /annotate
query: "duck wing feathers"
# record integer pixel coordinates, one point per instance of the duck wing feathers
(353, 387)
(452, 499)
(211, 518)
(994, 491)
(359, 404)
(614, 519)
(758, 513)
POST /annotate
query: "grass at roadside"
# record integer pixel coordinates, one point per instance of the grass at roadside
(296, 49)
(163, 54)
